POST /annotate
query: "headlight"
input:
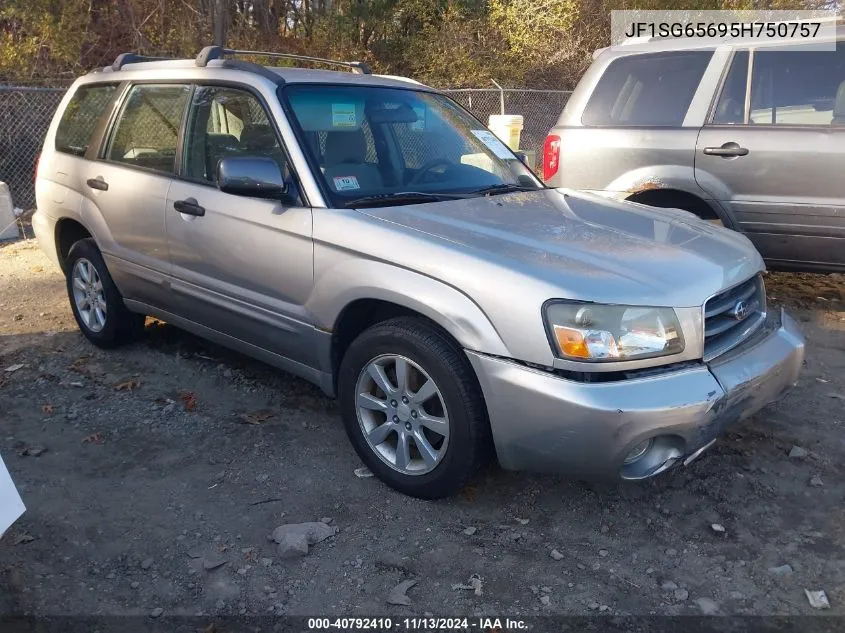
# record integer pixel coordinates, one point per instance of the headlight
(591, 332)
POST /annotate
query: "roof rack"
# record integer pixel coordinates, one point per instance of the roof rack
(131, 58)
(218, 52)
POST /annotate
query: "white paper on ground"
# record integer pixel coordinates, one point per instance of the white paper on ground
(11, 505)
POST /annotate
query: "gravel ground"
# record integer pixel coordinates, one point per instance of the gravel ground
(154, 474)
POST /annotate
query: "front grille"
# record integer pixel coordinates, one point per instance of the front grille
(732, 316)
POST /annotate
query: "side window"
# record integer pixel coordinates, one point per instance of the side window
(80, 118)
(798, 87)
(227, 122)
(731, 105)
(147, 131)
(650, 90)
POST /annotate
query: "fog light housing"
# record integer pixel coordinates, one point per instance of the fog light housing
(638, 451)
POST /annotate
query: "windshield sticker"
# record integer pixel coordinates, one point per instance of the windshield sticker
(493, 143)
(343, 115)
(345, 183)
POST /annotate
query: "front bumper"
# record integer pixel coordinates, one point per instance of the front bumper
(545, 423)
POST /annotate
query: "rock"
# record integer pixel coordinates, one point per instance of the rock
(470, 531)
(783, 570)
(669, 585)
(194, 552)
(523, 521)
(212, 562)
(603, 553)
(796, 452)
(817, 599)
(363, 472)
(681, 594)
(718, 527)
(737, 595)
(155, 613)
(604, 608)
(593, 606)
(134, 584)
(816, 481)
(546, 589)
(294, 538)
(326, 520)
(545, 600)
(649, 571)
(473, 584)
(556, 555)
(671, 552)
(146, 563)
(398, 595)
(707, 606)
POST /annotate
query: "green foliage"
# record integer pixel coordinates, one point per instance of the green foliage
(442, 42)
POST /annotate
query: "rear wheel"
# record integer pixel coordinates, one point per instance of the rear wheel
(413, 409)
(95, 301)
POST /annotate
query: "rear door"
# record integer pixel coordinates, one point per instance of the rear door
(773, 153)
(243, 268)
(127, 188)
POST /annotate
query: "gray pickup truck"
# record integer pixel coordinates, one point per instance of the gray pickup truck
(367, 234)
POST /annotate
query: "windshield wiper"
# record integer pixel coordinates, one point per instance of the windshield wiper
(504, 187)
(402, 197)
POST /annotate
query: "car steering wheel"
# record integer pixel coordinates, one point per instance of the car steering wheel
(427, 167)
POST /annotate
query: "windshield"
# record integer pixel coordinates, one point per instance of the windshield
(369, 141)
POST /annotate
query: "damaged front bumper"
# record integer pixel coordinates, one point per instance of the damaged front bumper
(542, 422)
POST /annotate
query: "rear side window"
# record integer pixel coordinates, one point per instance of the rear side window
(147, 132)
(649, 90)
(80, 118)
(730, 109)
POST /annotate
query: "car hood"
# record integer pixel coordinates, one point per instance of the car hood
(591, 248)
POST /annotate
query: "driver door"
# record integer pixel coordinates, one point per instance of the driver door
(241, 266)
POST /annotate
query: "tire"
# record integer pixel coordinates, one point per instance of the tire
(118, 325)
(428, 355)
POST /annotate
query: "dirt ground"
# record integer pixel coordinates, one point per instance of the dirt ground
(144, 468)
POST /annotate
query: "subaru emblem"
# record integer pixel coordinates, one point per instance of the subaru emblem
(740, 310)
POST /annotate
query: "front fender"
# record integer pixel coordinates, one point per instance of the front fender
(349, 279)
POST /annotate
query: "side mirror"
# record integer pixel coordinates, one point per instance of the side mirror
(523, 157)
(253, 176)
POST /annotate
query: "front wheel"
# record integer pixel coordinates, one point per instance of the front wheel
(96, 302)
(413, 409)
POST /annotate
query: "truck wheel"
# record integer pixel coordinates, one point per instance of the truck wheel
(413, 409)
(96, 302)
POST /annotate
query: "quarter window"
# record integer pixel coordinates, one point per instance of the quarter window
(795, 87)
(649, 90)
(147, 132)
(80, 117)
(228, 122)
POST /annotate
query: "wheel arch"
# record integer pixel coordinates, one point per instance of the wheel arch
(68, 232)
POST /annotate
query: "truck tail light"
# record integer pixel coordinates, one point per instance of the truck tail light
(551, 156)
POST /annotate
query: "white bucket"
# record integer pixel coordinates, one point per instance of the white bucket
(507, 127)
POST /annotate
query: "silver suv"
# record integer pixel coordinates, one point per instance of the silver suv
(369, 235)
(749, 135)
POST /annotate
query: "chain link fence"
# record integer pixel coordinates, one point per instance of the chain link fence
(25, 115)
(26, 112)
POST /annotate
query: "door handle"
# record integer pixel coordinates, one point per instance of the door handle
(97, 183)
(189, 206)
(728, 150)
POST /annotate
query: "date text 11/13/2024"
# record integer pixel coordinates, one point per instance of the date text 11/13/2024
(486, 624)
